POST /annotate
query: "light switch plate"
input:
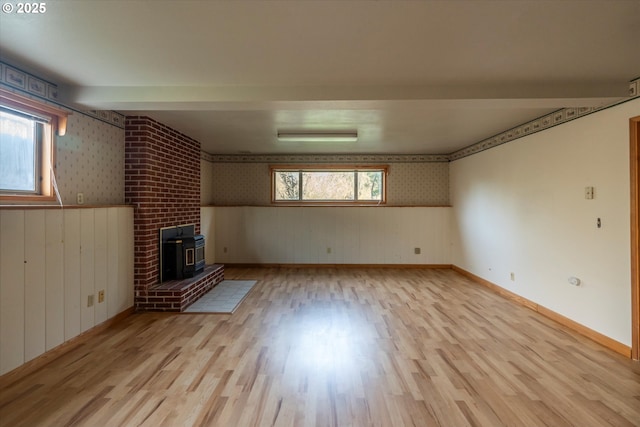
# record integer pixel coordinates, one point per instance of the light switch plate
(588, 193)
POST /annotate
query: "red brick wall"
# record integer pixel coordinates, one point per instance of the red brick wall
(162, 181)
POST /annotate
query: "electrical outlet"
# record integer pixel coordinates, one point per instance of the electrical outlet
(328, 250)
(224, 249)
(90, 301)
(100, 297)
(513, 277)
(417, 251)
(80, 198)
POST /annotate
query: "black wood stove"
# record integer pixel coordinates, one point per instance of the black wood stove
(182, 253)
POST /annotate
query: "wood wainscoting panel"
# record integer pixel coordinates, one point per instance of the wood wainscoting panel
(72, 277)
(11, 290)
(34, 284)
(87, 270)
(54, 267)
(100, 265)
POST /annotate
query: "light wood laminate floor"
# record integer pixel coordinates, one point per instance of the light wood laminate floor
(336, 347)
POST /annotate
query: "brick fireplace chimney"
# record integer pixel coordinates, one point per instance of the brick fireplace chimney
(162, 182)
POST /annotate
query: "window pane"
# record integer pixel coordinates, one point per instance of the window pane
(328, 185)
(370, 185)
(316, 185)
(286, 185)
(17, 153)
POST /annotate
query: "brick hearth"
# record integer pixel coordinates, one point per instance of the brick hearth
(176, 295)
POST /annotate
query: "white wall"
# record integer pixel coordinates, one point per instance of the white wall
(520, 208)
(356, 235)
(207, 229)
(206, 183)
(51, 260)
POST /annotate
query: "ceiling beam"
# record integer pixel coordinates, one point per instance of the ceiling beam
(213, 98)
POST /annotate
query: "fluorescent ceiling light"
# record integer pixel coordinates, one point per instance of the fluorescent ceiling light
(329, 136)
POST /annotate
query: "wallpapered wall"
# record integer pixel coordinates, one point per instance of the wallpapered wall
(411, 183)
(418, 184)
(90, 160)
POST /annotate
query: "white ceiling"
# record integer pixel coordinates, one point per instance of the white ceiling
(413, 77)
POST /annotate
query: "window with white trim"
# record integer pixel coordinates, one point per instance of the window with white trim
(328, 184)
